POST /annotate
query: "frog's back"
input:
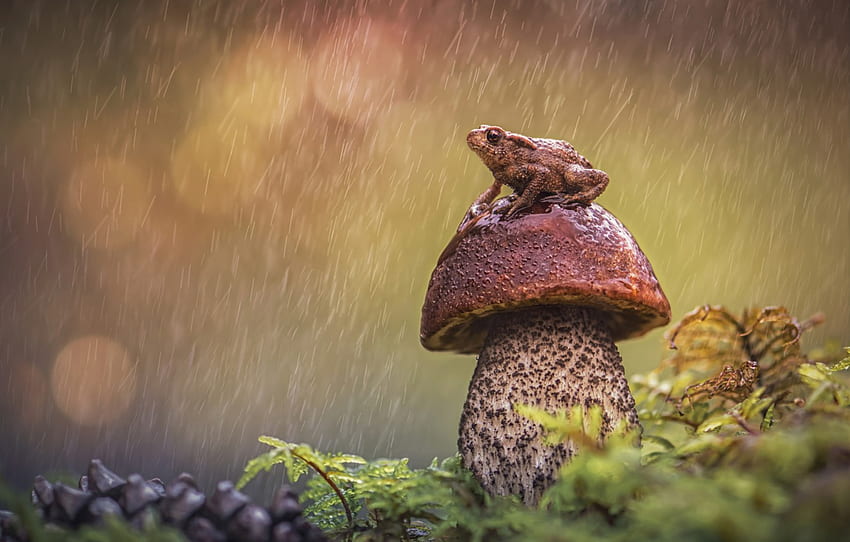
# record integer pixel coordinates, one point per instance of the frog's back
(561, 150)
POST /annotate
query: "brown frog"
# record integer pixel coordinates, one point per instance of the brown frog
(532, 167)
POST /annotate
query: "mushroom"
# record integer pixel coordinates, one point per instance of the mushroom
(542, 297)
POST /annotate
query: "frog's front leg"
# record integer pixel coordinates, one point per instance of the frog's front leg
(536, 183)
(592, 182)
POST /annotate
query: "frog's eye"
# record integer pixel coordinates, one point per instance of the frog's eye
(494, 136)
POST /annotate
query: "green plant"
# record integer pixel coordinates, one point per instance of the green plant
(745, 438)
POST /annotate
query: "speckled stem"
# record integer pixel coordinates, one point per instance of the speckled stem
(548, 357)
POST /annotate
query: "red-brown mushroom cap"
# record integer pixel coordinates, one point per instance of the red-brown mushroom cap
(555, 254)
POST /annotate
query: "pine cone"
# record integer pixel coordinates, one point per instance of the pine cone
(227, 515)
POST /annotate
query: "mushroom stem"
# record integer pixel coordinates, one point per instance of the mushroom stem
(551, 358)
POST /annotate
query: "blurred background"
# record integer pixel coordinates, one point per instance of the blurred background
(219, 218)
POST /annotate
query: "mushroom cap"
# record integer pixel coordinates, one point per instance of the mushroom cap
(555, 254)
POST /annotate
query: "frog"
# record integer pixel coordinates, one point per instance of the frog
(533, 167)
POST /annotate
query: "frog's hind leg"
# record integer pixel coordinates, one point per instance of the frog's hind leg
(480, 204)
(594, 182)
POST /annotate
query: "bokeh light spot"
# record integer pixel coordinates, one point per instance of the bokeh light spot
(219, 168)
(224, 161)
(262, 86)
(357, 68)
(93, 380)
